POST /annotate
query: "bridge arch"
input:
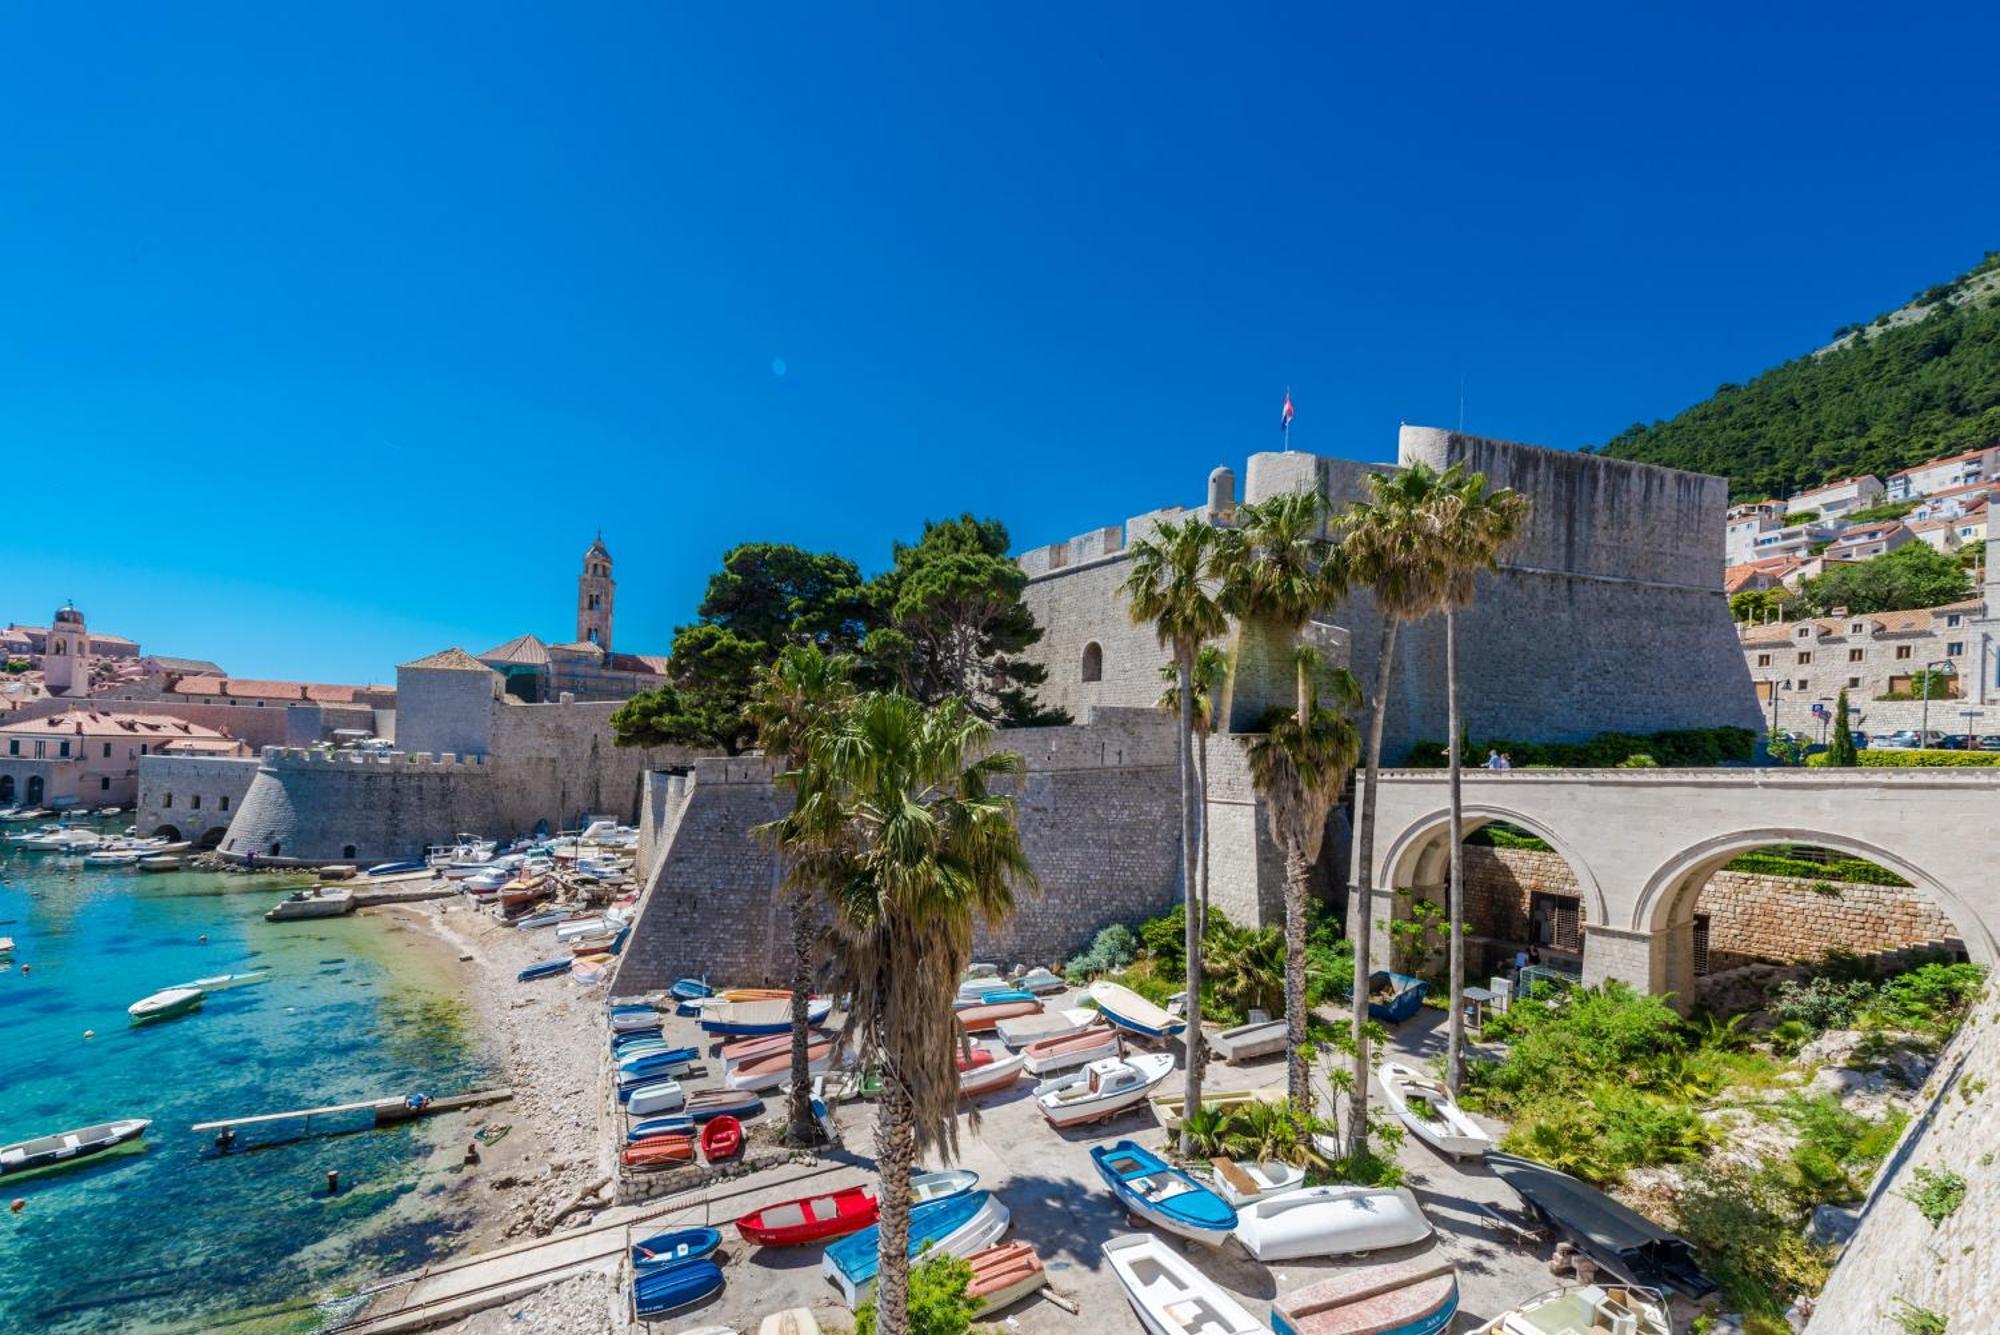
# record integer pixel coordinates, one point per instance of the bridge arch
(1420, 854)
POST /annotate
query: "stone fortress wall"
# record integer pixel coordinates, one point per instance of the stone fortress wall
(194, 796)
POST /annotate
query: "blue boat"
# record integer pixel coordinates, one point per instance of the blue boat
(688, 989)
(993, 998)
(671, 1062)
(851, 1262)
(688, 1010)
(546, 969)
(631, 1037)
(1147, 1186)
(744, 1019)
(712, 1103)
(665, 1249)
(660, 1126)
(395, 868)
(658, 1292)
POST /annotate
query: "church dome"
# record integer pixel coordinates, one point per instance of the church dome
(67, 615)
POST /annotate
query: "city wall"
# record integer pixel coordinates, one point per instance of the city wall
(194, 797)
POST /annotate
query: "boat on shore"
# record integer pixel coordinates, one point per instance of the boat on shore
(1413, 1297)
(1241, 1182)
(66, 1148)
(767, 1016)
(750, 1049)
(1102, 1089)
(1003, 1276)
(1169, 1295)
(1170, 1107)
(658, 1152)
(1247, 1042)
(658, 1292)
(741, 1104)
(1153, 1190)
(1331, 1221)
(1041, 981)
(837, 1213)
(956, 1226)
(159, 862)
(665, 1249)
(1133, 1013)
(791, 1321)
(1048, 1056)
(1626, 1308)
(165, 1004)
(983, 1069)
(662, 1096)
(983, 1016)
(1432, 1114)
(773, 1069)
(722, 1138)
(634, 1017)
(317, 902)
(1623, 1241)
(677, 1125)
(1021, 1030)
(545, 969)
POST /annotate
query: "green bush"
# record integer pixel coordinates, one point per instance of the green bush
(1749, 1237)
(1821, 1003)
(1931, 999)
(1937, 1193)
(1915, 759)
(1679, 749)
(1772, 862)
(1112, 948)
(938, 1305)
(1507, 836)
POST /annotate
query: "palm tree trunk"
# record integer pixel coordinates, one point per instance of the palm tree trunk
(1184, 672)
(802, 1130)
(1361, 906)
(1298, 1075)
(1201, 840)
(895, 1151)
(1454, 1058)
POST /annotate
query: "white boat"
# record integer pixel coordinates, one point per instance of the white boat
(1171, 1296)
(1048, 1056)
(1330, 1221)
(1102, 1089)
(975, 970)
(1240, 1182)
(791, 1321)
(161, 862)
(222, 982)
(117, 857)
(1429, 1110)
(1021, 1030)
(990, 1068)
(665, 1097)
(167, 1001)
(1247, 1042)
(1129, 1011)
(1041, 981)
(6, 945)
(1621, 1308)
(972, 989)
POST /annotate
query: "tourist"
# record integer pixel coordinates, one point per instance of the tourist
(1493, 760)
(1506, 761)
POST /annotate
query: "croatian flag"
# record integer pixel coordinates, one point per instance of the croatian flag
(1285, 416)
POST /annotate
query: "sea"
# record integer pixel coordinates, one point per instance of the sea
(178, 1236)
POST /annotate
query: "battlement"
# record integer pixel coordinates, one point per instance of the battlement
(298, 757)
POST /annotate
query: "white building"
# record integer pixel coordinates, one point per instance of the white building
(1865, 542)
(1744, 524)
(1792, 540)
(1936, 475)
(1836, 499)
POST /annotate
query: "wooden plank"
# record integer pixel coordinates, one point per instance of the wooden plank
(446, 1103)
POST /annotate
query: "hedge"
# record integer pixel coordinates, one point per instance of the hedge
(1681, 749)
(1916, 759)
(1763, 862)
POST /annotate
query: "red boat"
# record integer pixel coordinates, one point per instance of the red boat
(811, 1218)
(660, 1151)
(750, 1049)
(722, 1138)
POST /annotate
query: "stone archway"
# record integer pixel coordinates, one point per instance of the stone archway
(35, 790)
(212, 838)
(170, 833)
(6, 790)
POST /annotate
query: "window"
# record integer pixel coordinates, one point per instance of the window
(1763, 660)
(275, 847)
(1857, 628)
(1701, 945)
(13, 746)
(107, 750)
(225, 796)
(1953, 618)
(1854, 683)
(1954, 649)
(1804, 631)
(1093, 661)
(41, 749)
(347, 851)
(167, 801)
(1805, 657)
(64, 750)
(195, 803)
(1854, 655)
(104, 785)
(1902, 651)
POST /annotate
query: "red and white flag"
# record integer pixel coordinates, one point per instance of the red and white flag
(1285, 416)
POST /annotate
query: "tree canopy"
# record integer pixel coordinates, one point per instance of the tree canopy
(1914, 575)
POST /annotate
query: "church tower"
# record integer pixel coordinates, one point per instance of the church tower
(593, 597)
(66, 658)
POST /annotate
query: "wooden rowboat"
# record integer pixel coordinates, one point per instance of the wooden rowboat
(658, 1152)
(974, 1019)
(1050, 1055)
(1003, 1275)
(1169, 1107)
(1417, 1296)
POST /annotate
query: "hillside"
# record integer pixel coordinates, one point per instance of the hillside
(1915, 383)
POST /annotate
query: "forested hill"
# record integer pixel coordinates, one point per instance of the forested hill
(1919, 382)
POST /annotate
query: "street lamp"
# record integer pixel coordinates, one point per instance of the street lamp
(1945, 669)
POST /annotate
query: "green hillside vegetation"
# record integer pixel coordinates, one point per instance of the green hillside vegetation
(1920, 382)
(1914, 575)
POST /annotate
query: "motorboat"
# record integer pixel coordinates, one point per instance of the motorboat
(116, 857)
(664, 1249)
(1102, 1089)
(66, 1148)
(774, 1016)
(159, 862)
(1623, 1241)
(1170, 1296)
(1247, 1042)
(1330, 1221)
(165, 1004)
(318, 902)
(1240, 1182)
(983, 1069)
(1153, 1190)
(768, 1072)
(1022, 1030)
(1003, 1276)
(956, 1226)
(1131, 1012)
(1049, 1056)
(658, 1292)
(1412, 1297)
(1041, 981)
(1620, 1308)
(837, 1213)
(1169, 1107)
(1431, 1113)
(663, 1096)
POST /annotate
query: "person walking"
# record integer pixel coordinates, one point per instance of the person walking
(1493, 760)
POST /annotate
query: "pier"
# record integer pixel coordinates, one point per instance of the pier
(387, 1111)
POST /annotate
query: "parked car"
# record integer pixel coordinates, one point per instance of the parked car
(1909, 739)
(1860, 740)
(1965, 742)
(1990, 741)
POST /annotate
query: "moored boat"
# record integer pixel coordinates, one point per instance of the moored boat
(1625, 1308)
(64, 1148)
(1413, 1297)
(1102, 1089)
(956, 1226)
(1428, 1109)
(1330, 1221)
(223, 982)
(1131, 1012)
(1153, 1190)
(1170, 1296)
(1047, 1056)
(165, 1003)
(1003, 1276)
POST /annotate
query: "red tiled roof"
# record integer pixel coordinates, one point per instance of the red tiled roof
(1835, 486)
(200, 686)
(1940, 461)
(94, 723)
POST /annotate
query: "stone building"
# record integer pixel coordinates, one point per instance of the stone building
(1796, 664)
(586, 668)
(90, 758)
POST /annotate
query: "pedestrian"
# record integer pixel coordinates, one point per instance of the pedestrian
(471, 1152)
(1493, 760)
(1506, 761)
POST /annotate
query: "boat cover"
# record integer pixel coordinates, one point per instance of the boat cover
(1611, 1230)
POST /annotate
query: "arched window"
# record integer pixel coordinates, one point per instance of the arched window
(1093, 661)
(347, 850)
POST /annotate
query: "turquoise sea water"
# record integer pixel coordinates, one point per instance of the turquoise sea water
(178, 1236)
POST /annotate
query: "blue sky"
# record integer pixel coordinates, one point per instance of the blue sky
(329, 338)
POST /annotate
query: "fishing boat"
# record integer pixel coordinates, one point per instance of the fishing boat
(770, 1071)
(1247, 1042)
(687, 989)
(1003, 1275)
(1331, 1221)
(1241, 1182)
(1169, 1107)
(1048, 1056)
(664, 1097)
(158, 862)
(956, 1226)
(997, 997)
(983, 1069)
(1151, 1189)
(722, 1138)
(1429, 1110)
(1170, 1296)
(64, 1148)
(1102, 1089)
(546, 969)
(1624, 1308)
(755, 994)
(1041, 981)
(771, 1015)
(741, 1104)
(837, 1213)
(1624, 1242)
(658, 1292)
(634, 1017)
(658, 1152)
(791, 1321)
(1022, 1030)
(657, 1061)
(318, 902)
(1413, 1297)
(664, 1249)
(115, 857)
(979, 1018)
(677, 1125)
(165, 1004)
(1131, 1012)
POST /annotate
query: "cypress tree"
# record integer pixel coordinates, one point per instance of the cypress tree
(1841, 750)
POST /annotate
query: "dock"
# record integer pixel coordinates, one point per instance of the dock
(387, 1111)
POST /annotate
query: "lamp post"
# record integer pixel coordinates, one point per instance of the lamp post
(1775, 684)
(1944, 668)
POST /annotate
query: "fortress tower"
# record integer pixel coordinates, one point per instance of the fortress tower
(593, 597)
(66, 663)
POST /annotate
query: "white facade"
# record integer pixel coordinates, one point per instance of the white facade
(1837, 498)
(1791, 540)
(1957, 470)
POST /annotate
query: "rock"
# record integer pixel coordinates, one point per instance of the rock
(1831, 1225)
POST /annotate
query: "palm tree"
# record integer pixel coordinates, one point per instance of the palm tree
(1211, 671)
(1474, 524)
(897, 822)
(1390, 543)
(799, 691)
(1172, 574)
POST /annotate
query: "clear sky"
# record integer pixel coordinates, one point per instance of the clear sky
(329, 336)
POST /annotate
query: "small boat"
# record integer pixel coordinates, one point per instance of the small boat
(1395, 997)
(1025, 1029)
(317, 902)
(769, 1016)
(116, 857)
(64, 1148)
(1102, 1089)
(1129, 1011)
(6, 945)
(998, 997)
(1171, 1296)
(159, 862)
(658, 1152)
(655, 1061)
(1041, 981)
(679, 1125)
(223, 982)
(1331, 1221)
(722, 1138)
(1003, 1275)
(1429, 1110)
(634, 1017)
(1148, 1187)
(1413, 1297)
(1247, 1042)
(770, 1071)
(548, 919)
(791, 1321)
(1168, 1107)
(983, 1069)
(976, 970)
(712, 1103)
(749, 1049)
(165, 1004)
(399, 867)
(1625, 1308)
(1047, 1056)
(755, 994)
(1243, 1182)
(1624, 1242)
(834, 1214)
(975, 1019)
(658, 1292)
(638, 1077)
(665, 1097)
(546, 969)
(956, 1226)
(687, 989)
(972, 989)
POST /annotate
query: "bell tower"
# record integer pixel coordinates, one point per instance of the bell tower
(593, 596)
(66, 658)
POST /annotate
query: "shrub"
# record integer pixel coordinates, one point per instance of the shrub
(1914, 1320)
(1821, 1003)
(1932, 999)
(1112, 948)
(1680, 748)
(1507, 836)
(1935, 1193)
(1916, 759)
(938, 1305)
(1745, 1229)
(1776, 862)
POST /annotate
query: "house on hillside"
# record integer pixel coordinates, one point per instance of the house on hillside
(1865, 542)
(1867, 655)
(1939, 533)
(1836, 499)
(1744, 524)
(1936, 475)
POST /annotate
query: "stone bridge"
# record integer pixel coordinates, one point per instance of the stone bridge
(1643, 842)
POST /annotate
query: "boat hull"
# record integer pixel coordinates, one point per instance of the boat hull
(1447, 1128)
(1151, 1189)
(956, 1226)
(1171, 1297)
(66, 1149)
(1131, 1012)
(1416, 1297)
(1331, 1221)
(1054, 1055)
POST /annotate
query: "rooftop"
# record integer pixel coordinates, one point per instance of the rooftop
(453, 659)
(1941, 461)
(100, 723)
(1916, 619)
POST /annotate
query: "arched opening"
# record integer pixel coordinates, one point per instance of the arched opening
(35, 790)
(1093, 661)
(170, 833)
(6, 790)
(347, 852)
(213, 838)
(277, 849)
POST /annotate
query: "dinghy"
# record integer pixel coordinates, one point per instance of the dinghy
(975, 1019)
(1429, 1110)
(625, 1018)
(655, 1061)
(772, 1016)
(1241, 1183)
(834, 1214)
(546, 969)
(65, 1148)
(749, 1049)
(956, 1226)
(223, 982)
(664, 1249)
(1247, 1042)
(1149, 1188)
(1041, 981)
(659, 1292)
(1047, 1056)
(1102, 1089)
(973, 989)
(1330, 1221)
(721, 1139)
(679, 1125)
(1414, 1297)
(996, 997)
(984, 1069)
(1025, 1029)
(1131, 1012)
(712, 1103)
(1624, 1308)
(771, 1071)
(658, 1152)
(688, 989)
(1003, 1275)
(791, 1321)
(165, 1003)
(664, 1097)
(1171, 1296)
